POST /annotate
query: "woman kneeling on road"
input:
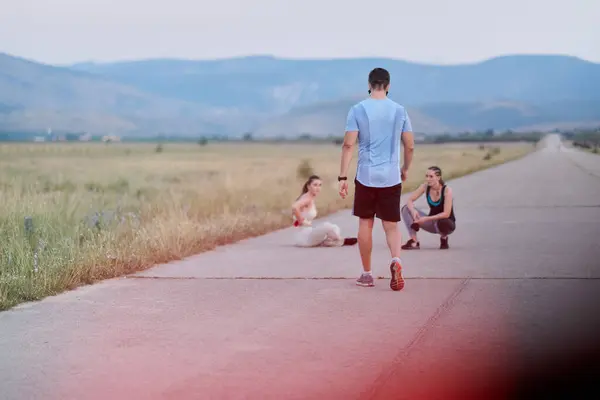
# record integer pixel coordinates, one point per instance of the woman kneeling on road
(441, 218)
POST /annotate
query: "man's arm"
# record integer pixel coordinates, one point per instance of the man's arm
(347, 149)
(349, 141)
(408, 143)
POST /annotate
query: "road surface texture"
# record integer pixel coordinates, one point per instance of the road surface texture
(510, 308)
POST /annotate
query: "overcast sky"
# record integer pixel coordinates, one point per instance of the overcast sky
(431, 31)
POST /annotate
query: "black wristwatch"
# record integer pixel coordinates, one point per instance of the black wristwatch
(342, 178)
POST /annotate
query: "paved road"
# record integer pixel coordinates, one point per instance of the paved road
(261, 319)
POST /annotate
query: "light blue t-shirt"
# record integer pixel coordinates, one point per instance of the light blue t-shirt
(380, 124)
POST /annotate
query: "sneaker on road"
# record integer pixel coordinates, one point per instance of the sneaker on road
(365, 280)
(411, 245)
(444, 243)
(397, 281)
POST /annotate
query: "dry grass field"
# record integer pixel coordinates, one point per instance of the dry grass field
(99, 211)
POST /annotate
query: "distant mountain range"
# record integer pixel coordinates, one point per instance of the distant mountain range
(282, 97)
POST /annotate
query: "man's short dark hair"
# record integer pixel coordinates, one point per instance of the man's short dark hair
(379, 78)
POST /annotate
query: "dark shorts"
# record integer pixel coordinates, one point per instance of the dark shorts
(383, 203)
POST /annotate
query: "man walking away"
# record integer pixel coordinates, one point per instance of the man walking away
(379, 124)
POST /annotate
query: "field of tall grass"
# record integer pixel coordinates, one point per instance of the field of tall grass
(74, 213)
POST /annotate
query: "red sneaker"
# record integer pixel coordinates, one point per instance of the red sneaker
(397, 281)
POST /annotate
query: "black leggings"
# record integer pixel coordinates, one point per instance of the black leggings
(443, 227)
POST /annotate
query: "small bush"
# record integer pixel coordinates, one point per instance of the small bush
(93, 187)
(120, 186)
(159, 148)
(66, 187)
(304, 170)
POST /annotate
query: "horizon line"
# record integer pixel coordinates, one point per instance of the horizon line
(307, 59)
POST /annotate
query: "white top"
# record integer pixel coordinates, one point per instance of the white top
(309, 213)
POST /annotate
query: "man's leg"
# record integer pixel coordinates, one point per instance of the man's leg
(393, 237)
(365, 242)
(364, 209)
(388, 210)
